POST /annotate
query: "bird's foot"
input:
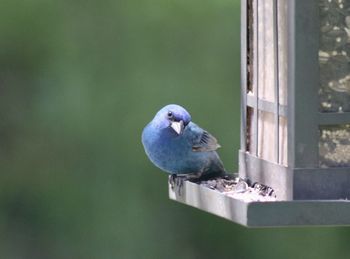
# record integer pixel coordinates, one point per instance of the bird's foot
(176, 183)
(172, 181)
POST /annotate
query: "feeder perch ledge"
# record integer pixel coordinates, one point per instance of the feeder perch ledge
(264, 213)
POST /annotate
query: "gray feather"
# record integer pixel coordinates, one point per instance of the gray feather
(207, 142)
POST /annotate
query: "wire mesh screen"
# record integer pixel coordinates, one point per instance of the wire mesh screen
(334, 55)
(335, 146)
(334, 92)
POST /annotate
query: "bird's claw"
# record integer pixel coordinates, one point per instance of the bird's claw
(176, 183)
(172, 181)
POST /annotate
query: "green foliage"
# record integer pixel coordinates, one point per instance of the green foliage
(79, 80)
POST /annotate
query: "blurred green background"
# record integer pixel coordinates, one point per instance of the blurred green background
(79, 80)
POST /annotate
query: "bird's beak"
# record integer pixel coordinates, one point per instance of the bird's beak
(178, 126)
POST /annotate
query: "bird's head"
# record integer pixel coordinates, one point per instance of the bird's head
(174, 117)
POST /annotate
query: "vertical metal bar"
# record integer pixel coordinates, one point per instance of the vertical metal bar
(276, 77)
(256, 74)
(244, 36)
(291, 83)
(303, 83)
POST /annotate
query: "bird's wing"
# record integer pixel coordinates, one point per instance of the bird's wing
(202, 140)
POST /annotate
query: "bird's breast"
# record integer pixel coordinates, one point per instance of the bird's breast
(172, 153)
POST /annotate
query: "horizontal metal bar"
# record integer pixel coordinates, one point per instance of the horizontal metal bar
(331, 118)
(321, 183)
(324, 170)
(297, 183)
(266, 106)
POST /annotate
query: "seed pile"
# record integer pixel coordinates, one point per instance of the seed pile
(241, 189)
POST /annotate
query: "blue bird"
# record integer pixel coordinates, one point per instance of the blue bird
(180, 147)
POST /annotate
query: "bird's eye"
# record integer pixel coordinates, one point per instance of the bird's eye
(170, 114)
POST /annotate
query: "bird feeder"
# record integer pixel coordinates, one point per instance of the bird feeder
(295, 123)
